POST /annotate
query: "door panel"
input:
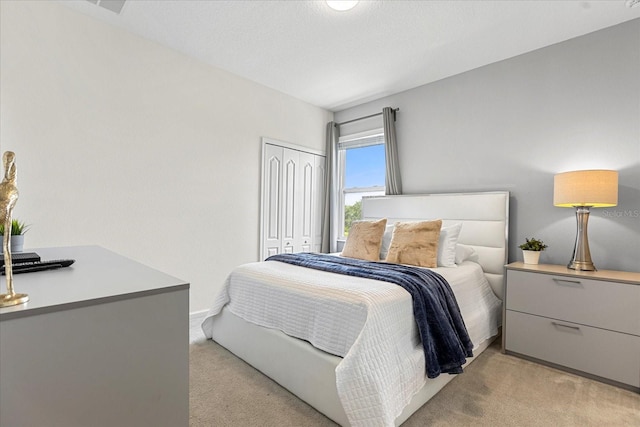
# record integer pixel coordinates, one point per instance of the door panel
(292, 200)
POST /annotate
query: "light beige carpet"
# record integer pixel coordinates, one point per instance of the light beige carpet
(495, 390)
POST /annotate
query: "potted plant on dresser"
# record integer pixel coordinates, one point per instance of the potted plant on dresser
(17, 235)
(531, 250)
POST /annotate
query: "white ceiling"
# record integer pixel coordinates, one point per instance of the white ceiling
(338, 59)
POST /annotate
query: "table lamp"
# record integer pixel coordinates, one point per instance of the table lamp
(583, 190)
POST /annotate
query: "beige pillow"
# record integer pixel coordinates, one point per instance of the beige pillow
(415, 243)
(364, 240)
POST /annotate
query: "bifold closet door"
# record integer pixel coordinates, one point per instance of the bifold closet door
(304, 237)
(291, 195)
(292, 200)
(272, 200)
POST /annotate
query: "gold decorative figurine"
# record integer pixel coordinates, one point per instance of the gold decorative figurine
(8, 199)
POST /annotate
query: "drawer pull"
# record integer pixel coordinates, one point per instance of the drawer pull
(575, 328)
(567, 282)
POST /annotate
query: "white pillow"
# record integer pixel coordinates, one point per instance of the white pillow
(386, 241)
(464, 253)
(447, 245)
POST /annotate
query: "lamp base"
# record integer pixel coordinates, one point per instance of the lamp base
(7, 300)
(581, 266)
(581, 259)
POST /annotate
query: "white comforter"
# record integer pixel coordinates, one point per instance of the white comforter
(367, 322)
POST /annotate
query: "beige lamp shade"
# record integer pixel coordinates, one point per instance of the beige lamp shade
(595, 188)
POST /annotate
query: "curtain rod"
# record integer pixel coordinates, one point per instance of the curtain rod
(365, 117)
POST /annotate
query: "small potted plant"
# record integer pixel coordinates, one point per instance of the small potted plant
(531, 250)
(18, 229)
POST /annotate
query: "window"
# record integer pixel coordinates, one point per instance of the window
(362, 168)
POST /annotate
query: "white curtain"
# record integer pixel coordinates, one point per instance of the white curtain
(330, 220)
(393, 183)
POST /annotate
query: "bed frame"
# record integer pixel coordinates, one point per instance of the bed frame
(309, 373)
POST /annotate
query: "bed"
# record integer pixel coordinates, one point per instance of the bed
(359, 378)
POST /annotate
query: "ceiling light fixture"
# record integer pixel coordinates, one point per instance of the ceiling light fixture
(342, 5)
(633, 3)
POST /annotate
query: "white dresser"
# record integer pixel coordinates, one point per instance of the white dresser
(584, 322)
(104, 342)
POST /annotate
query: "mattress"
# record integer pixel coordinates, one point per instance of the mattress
(368, 323)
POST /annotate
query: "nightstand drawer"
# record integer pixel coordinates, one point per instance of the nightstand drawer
(595, 351)
(602, 304)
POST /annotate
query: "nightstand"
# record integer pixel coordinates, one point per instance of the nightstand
(587, 323)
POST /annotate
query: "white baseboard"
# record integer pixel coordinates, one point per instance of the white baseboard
(195, 320)
(197, 316)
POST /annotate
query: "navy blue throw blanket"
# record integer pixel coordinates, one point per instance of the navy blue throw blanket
(444, 336)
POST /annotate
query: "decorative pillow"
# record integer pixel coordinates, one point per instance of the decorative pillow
(415, 243)
(464, 252)
(447, 245)
(364, 240)
(386, 241)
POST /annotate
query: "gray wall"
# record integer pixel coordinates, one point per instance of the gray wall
(512, 125)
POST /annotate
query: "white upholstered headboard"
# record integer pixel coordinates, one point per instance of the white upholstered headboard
(485, 219)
